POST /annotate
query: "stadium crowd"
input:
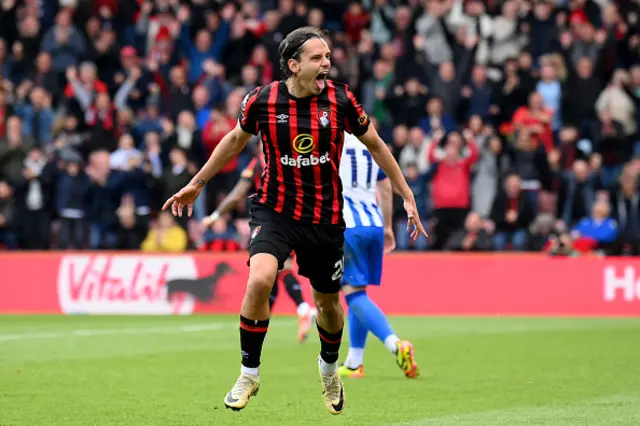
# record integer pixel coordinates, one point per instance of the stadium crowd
(515, 122)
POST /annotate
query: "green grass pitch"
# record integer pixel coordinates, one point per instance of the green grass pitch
(164, 371)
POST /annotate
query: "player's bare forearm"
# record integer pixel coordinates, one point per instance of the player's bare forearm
(386, 201)
(229, 147)
(233, 198)
(383, 158)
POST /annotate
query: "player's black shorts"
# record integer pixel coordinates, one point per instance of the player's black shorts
(319, 249)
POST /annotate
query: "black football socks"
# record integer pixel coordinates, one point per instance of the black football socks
(252, 334)
(294, 289)
(329, 349)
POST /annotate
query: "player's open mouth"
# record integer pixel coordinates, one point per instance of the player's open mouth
(321, 80)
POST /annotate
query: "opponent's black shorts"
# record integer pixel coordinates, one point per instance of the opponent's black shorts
(319, 249)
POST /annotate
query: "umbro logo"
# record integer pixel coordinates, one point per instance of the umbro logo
(282, 118)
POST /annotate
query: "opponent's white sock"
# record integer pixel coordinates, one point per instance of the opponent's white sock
(390, 343)
(354, 358)
(253, 371)
(303, 309)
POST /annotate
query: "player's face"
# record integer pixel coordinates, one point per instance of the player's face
(314, 65)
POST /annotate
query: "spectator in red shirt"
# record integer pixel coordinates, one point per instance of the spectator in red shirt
(88, 78)
(355, 20)
(260, 60)
(451, 186)
(6, 110)
(215, 129)
(536, 119)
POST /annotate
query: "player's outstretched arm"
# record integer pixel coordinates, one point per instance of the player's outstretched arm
(229, 202)
(383, 157)
(229, 147)
(385, 190)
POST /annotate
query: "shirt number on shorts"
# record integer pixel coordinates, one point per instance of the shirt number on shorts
(339, 270)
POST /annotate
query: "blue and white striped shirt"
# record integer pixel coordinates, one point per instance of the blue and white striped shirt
(359, 175)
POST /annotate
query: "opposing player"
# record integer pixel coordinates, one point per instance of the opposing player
(298, 206)
(368, 235)
(250, 182)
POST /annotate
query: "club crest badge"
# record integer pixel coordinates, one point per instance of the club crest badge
(324, 117)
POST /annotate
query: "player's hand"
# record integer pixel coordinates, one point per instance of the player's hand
(414, 225)
(185, 197)
(209, 221)
(389, 240)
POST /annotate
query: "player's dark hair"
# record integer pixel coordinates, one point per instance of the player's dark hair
(291, 46)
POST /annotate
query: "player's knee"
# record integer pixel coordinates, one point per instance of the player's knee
(260, 286)
(328, 304)
(349, 290)
(262, 275)
(354, 298)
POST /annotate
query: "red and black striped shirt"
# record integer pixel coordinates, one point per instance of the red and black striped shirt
(302, 143)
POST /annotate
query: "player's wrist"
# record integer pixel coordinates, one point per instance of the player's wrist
(405, 192)
(409, 198)
(214, 216)
(198, 181)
